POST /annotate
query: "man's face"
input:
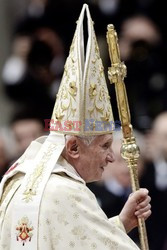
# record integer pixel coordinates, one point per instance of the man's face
(118, 170)
(95, 157)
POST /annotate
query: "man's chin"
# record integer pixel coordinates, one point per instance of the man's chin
(95, 179)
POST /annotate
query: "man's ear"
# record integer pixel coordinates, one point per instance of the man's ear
(72, 147)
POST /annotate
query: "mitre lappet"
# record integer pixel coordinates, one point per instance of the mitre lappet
(82, 108)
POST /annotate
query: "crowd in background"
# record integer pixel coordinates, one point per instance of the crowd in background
(32, 72)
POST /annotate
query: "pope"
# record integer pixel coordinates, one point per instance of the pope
(45, 203)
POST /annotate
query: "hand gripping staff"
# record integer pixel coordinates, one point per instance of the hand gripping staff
(129, 150)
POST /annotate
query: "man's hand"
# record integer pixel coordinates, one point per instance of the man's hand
(137, 206)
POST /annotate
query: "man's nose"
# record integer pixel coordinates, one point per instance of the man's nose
(111, 157)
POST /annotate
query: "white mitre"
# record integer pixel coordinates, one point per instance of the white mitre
(82, 108)
(83, 103)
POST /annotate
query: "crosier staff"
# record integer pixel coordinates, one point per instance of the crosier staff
(129, 150)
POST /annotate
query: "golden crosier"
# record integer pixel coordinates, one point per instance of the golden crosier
(129, 151)
(117, 70)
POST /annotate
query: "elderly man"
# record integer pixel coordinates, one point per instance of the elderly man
(45, 203)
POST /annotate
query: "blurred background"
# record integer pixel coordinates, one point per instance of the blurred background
(34, 43)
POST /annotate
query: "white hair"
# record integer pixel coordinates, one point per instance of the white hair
(87, 140)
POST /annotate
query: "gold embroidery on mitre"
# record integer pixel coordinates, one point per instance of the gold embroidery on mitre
(92, 90)
(98, 99)
(83, 95)
(24, 230)
(66, 103)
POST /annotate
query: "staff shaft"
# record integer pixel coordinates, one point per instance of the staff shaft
(129, 150)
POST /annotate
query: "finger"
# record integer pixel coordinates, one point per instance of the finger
(138, 195)
(143, 210)
(145, 215)
(141, 190)
(144, 203)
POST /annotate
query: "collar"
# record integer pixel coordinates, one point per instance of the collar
(64, 166)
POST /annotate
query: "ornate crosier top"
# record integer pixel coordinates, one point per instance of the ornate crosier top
(83, 95)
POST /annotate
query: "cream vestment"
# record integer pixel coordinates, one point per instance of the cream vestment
(69, 215)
